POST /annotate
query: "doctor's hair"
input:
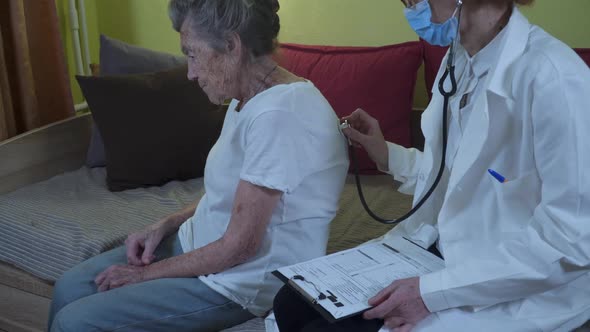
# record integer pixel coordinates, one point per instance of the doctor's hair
(524, 2)
(256, 22)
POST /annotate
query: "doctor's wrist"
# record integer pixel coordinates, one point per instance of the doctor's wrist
(380, 155)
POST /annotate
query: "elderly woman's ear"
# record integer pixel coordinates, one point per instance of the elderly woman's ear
(233, 45)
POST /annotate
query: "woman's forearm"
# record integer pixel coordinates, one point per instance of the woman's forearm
(212, 258)
(174, 221)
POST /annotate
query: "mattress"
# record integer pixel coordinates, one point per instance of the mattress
(49, 227)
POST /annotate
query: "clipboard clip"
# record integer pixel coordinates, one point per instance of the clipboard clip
(321, 296)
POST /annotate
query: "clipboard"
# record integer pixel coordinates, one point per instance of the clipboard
(366, 269)
(311, 300)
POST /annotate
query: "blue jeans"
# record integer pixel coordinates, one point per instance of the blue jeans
(174, 304)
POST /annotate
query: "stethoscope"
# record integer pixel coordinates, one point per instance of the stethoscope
(450, 74)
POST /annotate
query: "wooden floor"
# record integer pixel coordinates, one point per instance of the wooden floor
(27, 312)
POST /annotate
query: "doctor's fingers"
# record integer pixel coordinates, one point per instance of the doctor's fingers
(361, 121)
(384, 309)
(359, 116)
(356, 136)
(405, 328)
(382, 295)
(392, 323)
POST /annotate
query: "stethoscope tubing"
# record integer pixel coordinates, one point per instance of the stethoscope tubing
(450, 74)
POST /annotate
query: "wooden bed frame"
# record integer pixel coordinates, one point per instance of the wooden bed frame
(26, 159)
(36, 156)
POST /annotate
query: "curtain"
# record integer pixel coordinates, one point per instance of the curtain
(34, 85)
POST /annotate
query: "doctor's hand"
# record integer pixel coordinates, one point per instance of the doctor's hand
(400, 305)
(364, 130)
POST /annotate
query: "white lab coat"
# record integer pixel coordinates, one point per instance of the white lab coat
(517, 254)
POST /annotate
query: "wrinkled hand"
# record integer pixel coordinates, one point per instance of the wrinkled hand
(141, 245)
(118, 276)
(400, 305)
(364, 130)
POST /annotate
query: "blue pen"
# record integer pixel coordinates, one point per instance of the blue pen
(497, 176)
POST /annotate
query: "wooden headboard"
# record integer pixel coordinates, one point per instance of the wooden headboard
(45, 152)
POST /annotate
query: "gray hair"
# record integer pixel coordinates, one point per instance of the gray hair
(255, 21)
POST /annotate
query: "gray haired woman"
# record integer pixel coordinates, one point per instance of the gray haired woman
(272, 185)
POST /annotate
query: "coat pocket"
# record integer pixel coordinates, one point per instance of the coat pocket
(518, 198)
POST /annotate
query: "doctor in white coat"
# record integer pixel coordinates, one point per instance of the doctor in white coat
(516, 246)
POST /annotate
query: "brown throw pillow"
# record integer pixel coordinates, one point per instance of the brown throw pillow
(120, 58)
(156, 127)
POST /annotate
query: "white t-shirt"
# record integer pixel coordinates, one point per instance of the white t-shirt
(285, 138)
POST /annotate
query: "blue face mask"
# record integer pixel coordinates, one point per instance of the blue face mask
(435, 34)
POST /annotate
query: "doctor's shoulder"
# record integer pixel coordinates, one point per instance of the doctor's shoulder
(545, 53)
(547, 59)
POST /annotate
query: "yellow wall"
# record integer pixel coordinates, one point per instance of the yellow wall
(324, 22)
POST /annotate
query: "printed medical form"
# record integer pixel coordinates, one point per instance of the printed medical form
(343, 282)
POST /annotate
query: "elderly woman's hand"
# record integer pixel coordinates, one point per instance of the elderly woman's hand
(141, 245)
(364, 130)
(118, 276)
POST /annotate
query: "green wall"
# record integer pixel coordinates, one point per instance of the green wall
(93, 32)
(381, 22)
(141, 22)
(323, 22)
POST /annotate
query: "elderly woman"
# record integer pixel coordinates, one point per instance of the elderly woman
(511, 215)
(272, 184)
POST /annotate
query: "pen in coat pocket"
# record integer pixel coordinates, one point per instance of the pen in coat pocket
(497, 176)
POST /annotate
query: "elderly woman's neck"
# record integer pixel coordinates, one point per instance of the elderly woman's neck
(481, 21)
(257, 77)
